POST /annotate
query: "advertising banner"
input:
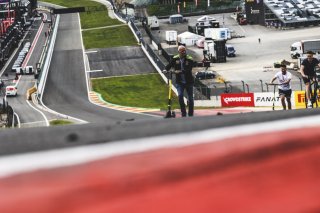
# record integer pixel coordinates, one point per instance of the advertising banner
(267, 99)
(300, 99)
(237, 99)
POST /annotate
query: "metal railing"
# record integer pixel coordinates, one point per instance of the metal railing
(216, 89)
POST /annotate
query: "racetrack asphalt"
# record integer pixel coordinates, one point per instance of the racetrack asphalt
(66, 88)
(118, 61)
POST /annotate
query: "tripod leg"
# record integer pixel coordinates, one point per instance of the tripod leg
(274, 96)
(316, 94)
(305, 99)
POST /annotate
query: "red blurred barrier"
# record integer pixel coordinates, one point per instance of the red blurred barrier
(272, 172)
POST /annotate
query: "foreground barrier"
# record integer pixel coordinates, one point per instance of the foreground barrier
(270, 172)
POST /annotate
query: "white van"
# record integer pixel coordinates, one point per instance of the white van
(11, 91)
(18, 70)
(28, 70)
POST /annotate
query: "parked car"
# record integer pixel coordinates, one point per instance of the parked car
(204, 75)
(231, 52)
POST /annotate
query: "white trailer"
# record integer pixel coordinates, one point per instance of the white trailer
(217, 33)
(153, 22)
(208, 50)
(177, 18)
(300, 48)
(171, 36)
(188, 38)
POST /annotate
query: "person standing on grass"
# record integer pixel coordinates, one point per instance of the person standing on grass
(284, 77)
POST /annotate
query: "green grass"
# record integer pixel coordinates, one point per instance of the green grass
(108, 37)
(97, 19)
(89, 19)
(59, 122)
(146, 91)
(73, 3)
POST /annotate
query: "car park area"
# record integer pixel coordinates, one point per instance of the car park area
(258, 47)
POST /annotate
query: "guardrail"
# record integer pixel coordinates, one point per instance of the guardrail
(45, 58)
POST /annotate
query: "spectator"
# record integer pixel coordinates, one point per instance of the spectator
(308, 73)
(284, 77)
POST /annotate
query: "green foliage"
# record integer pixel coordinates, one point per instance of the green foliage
(169, 9)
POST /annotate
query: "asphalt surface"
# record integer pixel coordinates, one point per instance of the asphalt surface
(27, 115)
(66, 89)
(118, 61)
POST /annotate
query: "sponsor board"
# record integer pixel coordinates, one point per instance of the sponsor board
(267, 99)
(237, 99)
(300, 99)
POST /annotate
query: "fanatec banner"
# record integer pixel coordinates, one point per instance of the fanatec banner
(267, 99)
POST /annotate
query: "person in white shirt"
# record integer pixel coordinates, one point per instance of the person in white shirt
(284, 77)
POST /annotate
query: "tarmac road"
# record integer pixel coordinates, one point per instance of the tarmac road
(66, 88)
(27, 115)
(118, 61)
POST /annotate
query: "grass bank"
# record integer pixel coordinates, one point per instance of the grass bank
(146, 91)
(97, 15)
(59, 122)
(109, 37)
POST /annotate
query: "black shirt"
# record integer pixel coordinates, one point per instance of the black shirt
(185, 66)
(309, 67)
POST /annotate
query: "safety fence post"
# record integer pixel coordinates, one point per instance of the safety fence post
(244, 90)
